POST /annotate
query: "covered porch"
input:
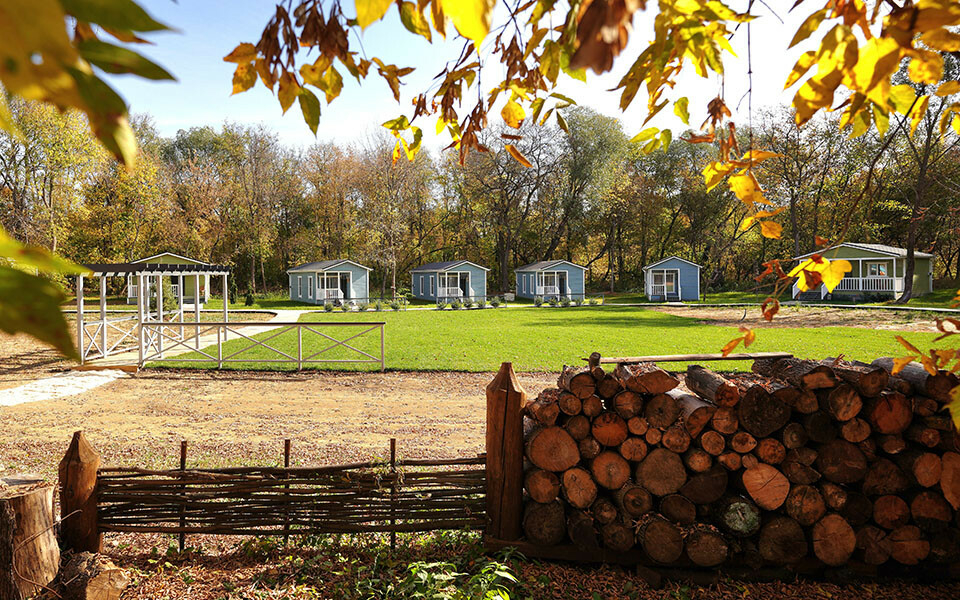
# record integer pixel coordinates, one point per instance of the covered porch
(663, 285)
(869, 275)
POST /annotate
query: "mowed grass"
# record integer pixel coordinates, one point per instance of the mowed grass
(544, 339)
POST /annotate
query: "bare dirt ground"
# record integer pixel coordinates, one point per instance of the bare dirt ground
(234, 418)
(803, 316)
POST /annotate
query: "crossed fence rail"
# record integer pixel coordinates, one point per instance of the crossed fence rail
(158, 340)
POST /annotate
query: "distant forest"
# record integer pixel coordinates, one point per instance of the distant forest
(236, 195)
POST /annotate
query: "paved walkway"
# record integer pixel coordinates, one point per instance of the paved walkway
(58, 386)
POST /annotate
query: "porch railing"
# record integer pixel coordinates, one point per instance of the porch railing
(330, 294)
(548, 290)
(449, 292)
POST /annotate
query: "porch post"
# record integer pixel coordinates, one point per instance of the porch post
(140, 334)
(196, 308)
(80, 344)
(226, 301)
(180, 303)
(103, 315)
(160, 313)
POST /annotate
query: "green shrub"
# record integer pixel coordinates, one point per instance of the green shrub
(565, 302)
(445, 581)
(328, 306)
(345, 307)
(482, 303)
(578, 301)
(395, 305)
(456, 304)
(538, 300)
(495, 302)
(170, 301)
(378, 305)
(363, 306)
(594, 301)
(248, 300)
(442, 305)
(554, 302)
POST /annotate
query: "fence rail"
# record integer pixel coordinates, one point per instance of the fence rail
(159, 339)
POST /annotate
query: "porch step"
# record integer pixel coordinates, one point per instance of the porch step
(808, 296)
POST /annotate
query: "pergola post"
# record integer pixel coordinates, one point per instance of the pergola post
(80, 344)
(226, 302)
(160, 314)
(180, 304)
(103, 315)
(196, 309)
(140, 335)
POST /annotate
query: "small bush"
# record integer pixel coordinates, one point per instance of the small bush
(345, 307)
(482, 303)
(395, 305)
(495, 302)
(594, 301)
(328, 306)
(247, 301)
(538, 300)
(554, 302)
(378, 305)
(442, 305)
(578, 301)
(456, 304)
(566, 302)
(363, 306)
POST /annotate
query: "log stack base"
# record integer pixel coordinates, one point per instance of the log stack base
(800, 466)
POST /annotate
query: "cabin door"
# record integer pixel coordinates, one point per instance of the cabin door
(670, 282)
(465, 285)
(345, 286)
(561, 283)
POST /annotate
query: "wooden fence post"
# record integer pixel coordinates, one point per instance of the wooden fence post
(78, 494)
(505, 399)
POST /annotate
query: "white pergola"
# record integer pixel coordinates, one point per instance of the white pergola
(94, 345)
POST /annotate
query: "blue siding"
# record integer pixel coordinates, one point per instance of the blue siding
(575, 281)
(478, 281)
(689, 277)
(359, 283)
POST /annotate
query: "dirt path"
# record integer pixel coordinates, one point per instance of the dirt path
(804, 316)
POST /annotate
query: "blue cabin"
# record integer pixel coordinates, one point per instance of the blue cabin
(449, 281)
(336, 281)
(672, 279)
(550, 279)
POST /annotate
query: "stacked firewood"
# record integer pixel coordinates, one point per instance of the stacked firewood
(817, 461)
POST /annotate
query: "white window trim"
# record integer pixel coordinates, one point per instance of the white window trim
(299, 286)
(433, 289)
(878, 264)
(310, 286)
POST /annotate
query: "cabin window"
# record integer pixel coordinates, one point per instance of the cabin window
(310, 287)
(299, 285)
(433, 291)
(658, 278)
(523, 283)
(877, 269)
(420, 285)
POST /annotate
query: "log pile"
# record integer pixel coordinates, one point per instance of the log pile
(798, 462)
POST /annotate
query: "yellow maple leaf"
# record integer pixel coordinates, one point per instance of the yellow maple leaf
(908, 345)
(900, 363)
(746, 187)
(513, 114)
(472, 18)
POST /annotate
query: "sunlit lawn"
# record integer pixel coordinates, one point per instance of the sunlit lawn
(544, 339)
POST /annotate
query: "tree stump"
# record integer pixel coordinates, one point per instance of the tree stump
(89, 576)
(29, 553)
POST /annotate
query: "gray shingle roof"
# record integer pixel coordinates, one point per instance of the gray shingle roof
(545, 264)
(881, 248)
(321, 265)
(444, 265)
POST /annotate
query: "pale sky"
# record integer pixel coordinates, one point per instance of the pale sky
(209, 29)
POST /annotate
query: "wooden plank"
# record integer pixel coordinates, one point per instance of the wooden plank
(691, 357)
(504, 469)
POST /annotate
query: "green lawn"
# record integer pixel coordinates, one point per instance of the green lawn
(711, 298)
(546, 338)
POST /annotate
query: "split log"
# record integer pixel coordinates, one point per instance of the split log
(834, 496)
(796, 466)
(707, 487)
(544, 524)
(782, 541)
(934, 386)
(89, 576)
(582, 531)
(711, 386)
(924, 406)
(578, 426)
(747, 461)
(589, 448)
(930, 511)
(739, 516)
(676, 438)
(678, 509)
(610, 470)
(833, 540)
(890, 512)
(794, 436)
(820, 427)
(804, 374)
(840, 461)
(841, 402)
(645, 378)
(805, 505)
(712, 443)
(731, 461)
(29, 553)
(706, 548)
(725, 420)
(855, 430)
(617, 536)
(925, 436)
(577, 381)
(770, 451)
(628, 404)
(633, 501)
(633, 449)
(884, 477)
(569, 404)
(907, 545)
(891, 444)
(78, 480)
(868, 380)
(604, 511)
(661, 472)
(662, 541)
(661, 411)
(742, 442)
(760, 413)
(858, 509)
(873, 542)
(653, 436)
(637, 426)
(766, 485)
(543, 411)
(579, 489)
(889, 413)
(608, 386)
(697, 460)
(696, 412)
(592, 406)
(804, 402)
(552, 449)
(609, 429)
(901, 385)
(950, 478)
(542, 486)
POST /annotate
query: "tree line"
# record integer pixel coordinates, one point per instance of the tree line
(236, 195)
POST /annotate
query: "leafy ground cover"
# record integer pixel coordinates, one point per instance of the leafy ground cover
(543, 339)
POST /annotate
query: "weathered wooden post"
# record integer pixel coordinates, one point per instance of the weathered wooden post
(505, 399)
(29, 554)
(78, 494)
